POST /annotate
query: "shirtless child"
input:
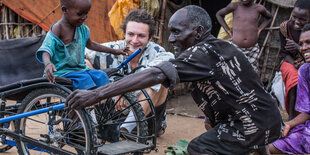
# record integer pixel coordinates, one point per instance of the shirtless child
(246, 28)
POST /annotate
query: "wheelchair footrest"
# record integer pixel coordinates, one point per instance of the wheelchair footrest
(122, 147)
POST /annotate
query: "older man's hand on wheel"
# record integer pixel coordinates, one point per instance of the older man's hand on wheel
(82, 98)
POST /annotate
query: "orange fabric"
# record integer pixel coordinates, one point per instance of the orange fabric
(290, 78)
(46, 12)
(118, 13)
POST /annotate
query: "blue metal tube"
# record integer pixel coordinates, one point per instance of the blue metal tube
(31, 113)
(138, 51)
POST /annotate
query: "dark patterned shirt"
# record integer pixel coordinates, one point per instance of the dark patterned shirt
(228, 91)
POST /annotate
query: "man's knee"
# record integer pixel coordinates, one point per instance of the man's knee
(193, 152)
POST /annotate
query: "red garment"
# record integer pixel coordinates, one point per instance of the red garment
(290, 78)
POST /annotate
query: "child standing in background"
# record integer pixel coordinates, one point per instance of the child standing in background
(245, 28)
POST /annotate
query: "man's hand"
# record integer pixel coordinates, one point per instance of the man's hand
(120, 104)
(291, 45)
(208, 126)
(298, 63)
(82, 98)
(287, 128)
(49, 69)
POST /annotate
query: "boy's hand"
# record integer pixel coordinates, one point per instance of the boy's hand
(123, 51)
(298, 63)
(49, 69)
(258, 32)
(291, 45)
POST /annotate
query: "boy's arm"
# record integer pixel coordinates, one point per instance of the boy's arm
(266, 14)
(100, 48)
(49, 67)
(220, 15)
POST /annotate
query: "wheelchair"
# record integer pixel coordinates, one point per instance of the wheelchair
(38, 121)
(68, 131)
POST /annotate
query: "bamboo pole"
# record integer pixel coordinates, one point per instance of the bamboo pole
(162, 20)
(19, 28)
(268, 34)
(266, 40)
(43, 19)
(273, 68)
(5, 20)
(11, 27)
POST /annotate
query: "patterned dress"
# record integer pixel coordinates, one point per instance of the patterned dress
(298, 139)
(229, 92)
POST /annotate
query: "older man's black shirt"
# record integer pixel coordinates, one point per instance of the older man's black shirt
(228, 91)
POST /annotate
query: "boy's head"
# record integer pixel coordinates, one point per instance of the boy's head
(247, 2)
(140, 16)
(75, 11)
(301, 14)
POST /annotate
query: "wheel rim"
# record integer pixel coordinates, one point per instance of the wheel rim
(61, 134)
(106, 115)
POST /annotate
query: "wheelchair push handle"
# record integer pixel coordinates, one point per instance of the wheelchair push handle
(138, 51)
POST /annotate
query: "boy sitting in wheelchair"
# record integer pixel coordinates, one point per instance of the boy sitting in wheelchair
(62, 51)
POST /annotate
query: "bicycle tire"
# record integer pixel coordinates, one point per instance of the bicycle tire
(72, 132)
(106, 114)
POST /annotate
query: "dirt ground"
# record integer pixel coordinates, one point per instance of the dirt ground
(178, 127)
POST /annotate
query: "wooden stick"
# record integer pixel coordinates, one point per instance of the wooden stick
(273, 68)
(43, 19)
(19, 28)
(266, 39)
(273, 28)
(11, 27)
(5, 16)
(162, 20)
(20, 24)
(268, 34)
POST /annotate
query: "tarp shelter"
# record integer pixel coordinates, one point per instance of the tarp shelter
(45, 12)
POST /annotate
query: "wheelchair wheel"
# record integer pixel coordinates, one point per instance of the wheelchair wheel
(65, 129)
(108, 121)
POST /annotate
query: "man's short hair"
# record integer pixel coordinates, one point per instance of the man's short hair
(66, 3)
(305, 28)
(303, 4)
(140, 16)
(199, 16)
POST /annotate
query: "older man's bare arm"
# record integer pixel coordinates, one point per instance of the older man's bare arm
(84, 98)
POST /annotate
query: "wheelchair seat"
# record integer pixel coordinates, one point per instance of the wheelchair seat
(18, 90)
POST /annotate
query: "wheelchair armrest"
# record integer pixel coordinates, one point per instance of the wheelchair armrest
(111, 71)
